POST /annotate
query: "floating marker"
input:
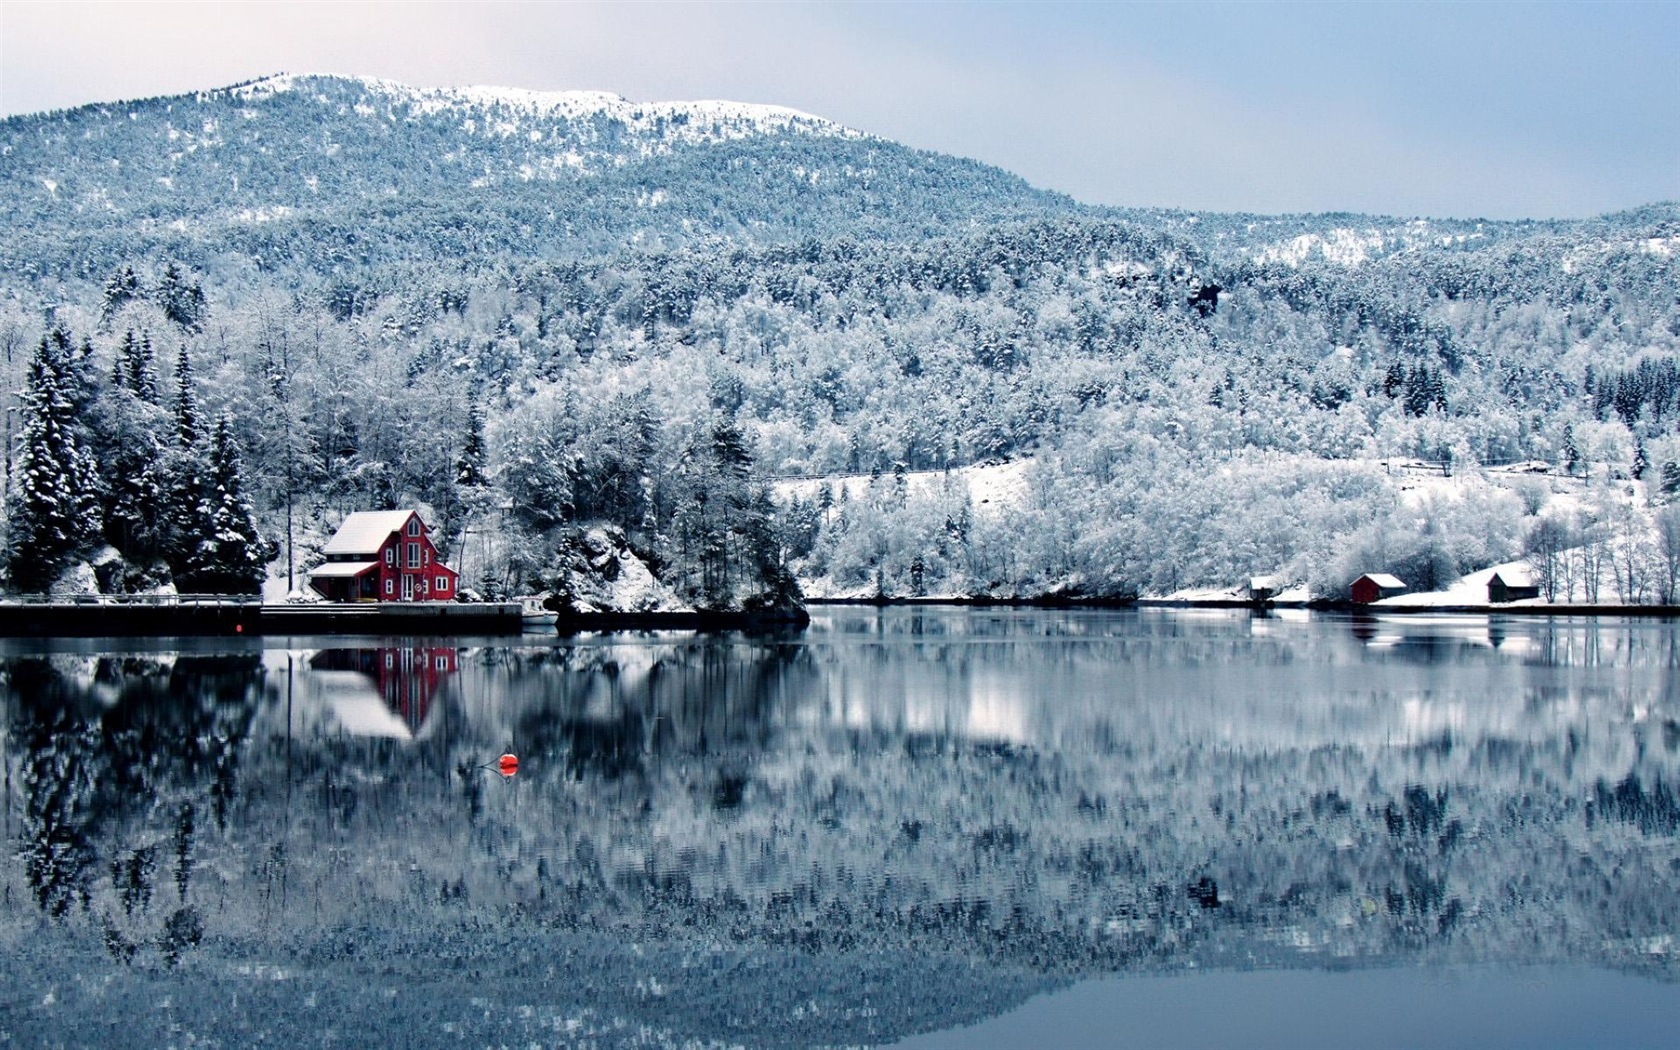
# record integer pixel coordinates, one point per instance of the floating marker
(507, 765)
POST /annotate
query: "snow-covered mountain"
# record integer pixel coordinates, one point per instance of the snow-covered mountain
(646, 301)
(325, 172)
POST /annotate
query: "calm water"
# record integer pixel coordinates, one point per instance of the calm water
(952, 827)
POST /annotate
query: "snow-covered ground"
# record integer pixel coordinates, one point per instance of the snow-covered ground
(1471, 589)
(992, 487)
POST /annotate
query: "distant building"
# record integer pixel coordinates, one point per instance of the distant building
(1374, 585)
(383, 556)
(1511, 585)
(1263, 588)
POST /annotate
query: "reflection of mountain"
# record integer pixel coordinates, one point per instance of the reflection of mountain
(1025, 796)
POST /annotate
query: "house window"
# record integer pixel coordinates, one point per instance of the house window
(388, 588)
(391, 555)
(443, 583)
(414, 555)
(414, 526)
(442, 663)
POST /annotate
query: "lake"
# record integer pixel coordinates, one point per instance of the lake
(943, 826)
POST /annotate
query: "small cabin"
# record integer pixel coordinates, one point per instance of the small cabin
(383, 556)
(1263, 588)
(1511, 585)
(1375, 585)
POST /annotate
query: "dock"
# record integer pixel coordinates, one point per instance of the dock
(169, 615)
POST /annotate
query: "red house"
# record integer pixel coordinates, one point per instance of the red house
(383, 556)
(1374, 586)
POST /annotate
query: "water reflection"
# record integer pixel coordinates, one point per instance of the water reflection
(383, 692)
(786, 839)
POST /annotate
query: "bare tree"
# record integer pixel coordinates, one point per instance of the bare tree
(1592, 554)
(1547, 544)
(1668, 546)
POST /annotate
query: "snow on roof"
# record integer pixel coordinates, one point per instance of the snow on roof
(1513, 577)
(1384, 580)
(342, 568)
(365, 531)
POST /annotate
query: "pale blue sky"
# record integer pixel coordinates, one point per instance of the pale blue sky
(1491, 109)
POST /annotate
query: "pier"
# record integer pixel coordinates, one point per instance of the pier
(138, 615)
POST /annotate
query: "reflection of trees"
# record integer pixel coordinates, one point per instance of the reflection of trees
(713, 701)
(702, 789)
(114, 765)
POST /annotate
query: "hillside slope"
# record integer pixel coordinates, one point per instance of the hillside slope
(538, 313)
(333, 173)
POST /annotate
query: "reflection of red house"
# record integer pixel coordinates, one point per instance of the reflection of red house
(407, 679)
(383, 556)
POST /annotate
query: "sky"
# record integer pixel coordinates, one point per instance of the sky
(1494, 110)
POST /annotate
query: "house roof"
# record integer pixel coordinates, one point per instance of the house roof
(1384, 580)
(365, 531)
(342, 568)
(1512, 578)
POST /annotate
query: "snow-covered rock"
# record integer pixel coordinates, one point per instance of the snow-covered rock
(603, 574)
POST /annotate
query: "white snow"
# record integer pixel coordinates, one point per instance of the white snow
(702, 120)
(992, 487)
(1341, 246)
(1471, 589)
(365, 531)
(618, 580)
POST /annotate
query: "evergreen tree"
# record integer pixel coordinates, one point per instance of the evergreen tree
(1641, 461)
(186, 401)
(120, 288)
(1670, 484)
(135, 369)
(181, 300)
(224, 553)
(143, 372)
(1571, 452)
(54, 506)
(137, 517)
(469, 467)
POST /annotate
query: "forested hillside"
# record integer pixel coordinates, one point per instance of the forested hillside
(536, 313)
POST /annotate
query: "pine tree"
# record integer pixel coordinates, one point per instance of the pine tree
(1571, 452)
(137, 521)
(186, 402)
(224, 552)
(120, 288)
(54, 507)
(143, 372)
(181, 301)
(1641, 461)
(469, 467)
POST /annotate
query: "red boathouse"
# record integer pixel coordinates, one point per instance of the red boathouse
(383, 556)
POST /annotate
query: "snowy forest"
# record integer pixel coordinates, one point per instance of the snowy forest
(771, 353)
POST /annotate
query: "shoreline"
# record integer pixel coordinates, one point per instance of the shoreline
(1316, 605)
(157, 617)
(92, 617)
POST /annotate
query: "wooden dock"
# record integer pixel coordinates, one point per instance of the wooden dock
(170, 615)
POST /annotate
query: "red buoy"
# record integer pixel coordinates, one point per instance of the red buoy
(507, 765)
